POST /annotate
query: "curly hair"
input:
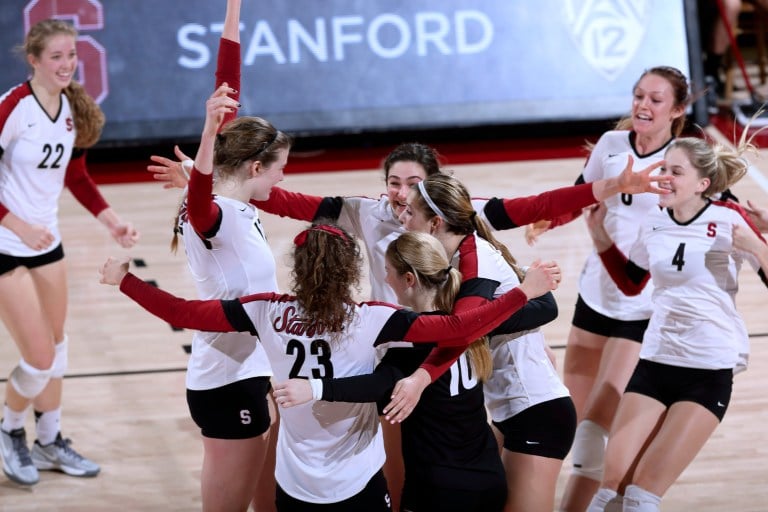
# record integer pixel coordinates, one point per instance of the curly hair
(327, 265)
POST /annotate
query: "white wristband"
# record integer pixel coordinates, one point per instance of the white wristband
(317, 388)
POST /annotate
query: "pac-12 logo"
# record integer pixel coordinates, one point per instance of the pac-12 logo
(607, 32)
(85, 15)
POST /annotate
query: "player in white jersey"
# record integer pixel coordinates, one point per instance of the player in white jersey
(45, 125)
(695, 341)
(328, 453)
(228, 374)
(607, 327)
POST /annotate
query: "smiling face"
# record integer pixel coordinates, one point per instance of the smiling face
(687, 186)
(401, 176)
(55, 67)
(268, 177)
(414, 218)
(653, 106)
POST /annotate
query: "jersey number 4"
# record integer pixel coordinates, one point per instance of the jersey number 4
(678, 260)
(320, 349)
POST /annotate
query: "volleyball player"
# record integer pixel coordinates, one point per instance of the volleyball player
(695, 341)
(228, 374)
(46, 123)
(607, 327)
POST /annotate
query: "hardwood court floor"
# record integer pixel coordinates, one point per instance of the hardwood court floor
(124, 400)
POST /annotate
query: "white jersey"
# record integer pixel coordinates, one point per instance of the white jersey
(625, 213)
(523, 374)
(374, 222)
(235, 261)
(326, 451)
(694, 268)
(36, 150)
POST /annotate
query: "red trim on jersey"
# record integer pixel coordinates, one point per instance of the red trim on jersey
(11, 100)
(548, 205)
(616, 264)
(293, 205)
(740, 209)
(440, 359)
(6, 108)
(79, 182)
(228, 70)
(202, 211)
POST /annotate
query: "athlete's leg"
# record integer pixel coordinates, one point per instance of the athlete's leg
(618, 360)
(22, 313)
(685, 430)
(264, 498)
(636, 420)
(531, 481)
(230, 472)
(583, 352)
(50, 281)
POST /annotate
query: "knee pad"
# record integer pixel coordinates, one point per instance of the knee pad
(60, 360)
(28, 380)
(589, 450)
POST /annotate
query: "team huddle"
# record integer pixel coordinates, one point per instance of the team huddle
(308, 400)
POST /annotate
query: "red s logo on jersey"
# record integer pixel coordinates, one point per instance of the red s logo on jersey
(712, 230)
(70, 124)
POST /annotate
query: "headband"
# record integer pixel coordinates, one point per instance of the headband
(429, 201)
(301, 238)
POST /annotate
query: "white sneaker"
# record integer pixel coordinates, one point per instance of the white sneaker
(17, 463)
(60, 456)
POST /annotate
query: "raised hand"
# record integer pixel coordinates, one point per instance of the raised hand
(169, 171)
(758, 215)
(631, 182)
(540, 278)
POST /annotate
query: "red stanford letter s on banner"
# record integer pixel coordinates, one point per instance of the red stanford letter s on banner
(85, 15)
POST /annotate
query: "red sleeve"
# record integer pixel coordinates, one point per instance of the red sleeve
(203, 315)
(293, 205)
(459, 330)
(3, 211)
(561, 220)
(228, 70)
(441, 358)
(549, 205)
(203, 212)
(79, 182)
(617, 265)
